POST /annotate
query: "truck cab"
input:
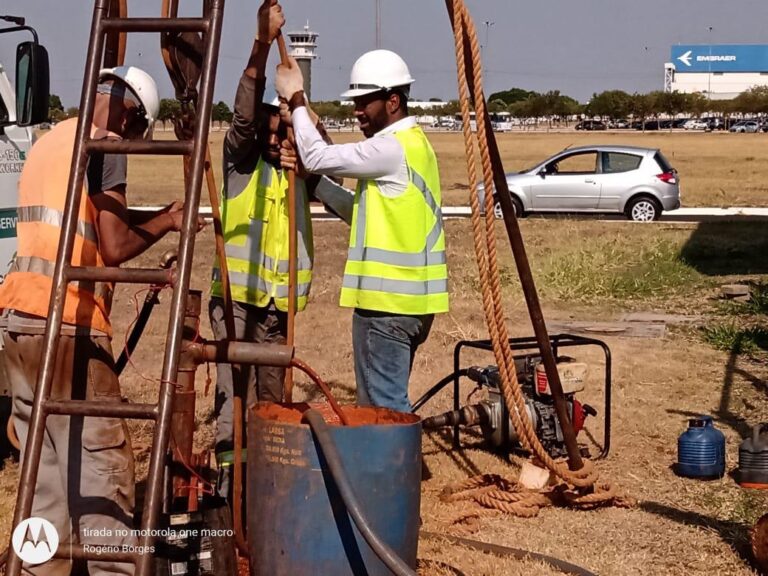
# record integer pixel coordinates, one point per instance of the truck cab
(23, 106)
(15, 142)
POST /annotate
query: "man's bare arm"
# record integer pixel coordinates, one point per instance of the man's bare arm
(120, 236)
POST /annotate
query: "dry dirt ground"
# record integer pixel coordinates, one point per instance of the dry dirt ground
(585, 270)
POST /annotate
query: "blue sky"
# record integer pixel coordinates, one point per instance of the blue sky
(576, 46)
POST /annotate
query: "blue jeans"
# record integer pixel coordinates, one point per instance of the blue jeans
(384, 347)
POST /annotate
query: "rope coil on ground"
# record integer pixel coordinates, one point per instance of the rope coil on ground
(494, 492)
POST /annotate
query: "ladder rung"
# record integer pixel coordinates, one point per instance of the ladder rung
(154, 276)
(155, 24)
(159, 147)
(95, 552)
(101, 409)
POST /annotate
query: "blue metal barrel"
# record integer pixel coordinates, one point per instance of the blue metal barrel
(701, 450)
(297, 522)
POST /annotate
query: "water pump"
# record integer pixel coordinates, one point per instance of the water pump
(491, 414)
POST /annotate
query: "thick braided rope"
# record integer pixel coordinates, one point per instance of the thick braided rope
(487, 263)
(477, 234)
(526, 508)
(492, 284)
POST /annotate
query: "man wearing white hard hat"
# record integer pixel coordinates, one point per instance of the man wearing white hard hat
(85, 485)
(395, 277)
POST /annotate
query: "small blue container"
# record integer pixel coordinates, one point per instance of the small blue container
(701, 450)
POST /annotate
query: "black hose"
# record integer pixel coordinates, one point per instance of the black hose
(321, 431)
(562, 565)
(436, 388)
(138, 328)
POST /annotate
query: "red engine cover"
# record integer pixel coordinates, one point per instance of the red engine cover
(578, 416)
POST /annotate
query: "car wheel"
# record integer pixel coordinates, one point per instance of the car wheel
(518, 206)
(643, 209)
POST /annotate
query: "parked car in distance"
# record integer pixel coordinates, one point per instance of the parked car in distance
(746, 126)
(637, 182)
(591, 125)
(695, 124)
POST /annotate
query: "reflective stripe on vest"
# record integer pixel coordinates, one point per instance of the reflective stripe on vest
(396, 261)
(255, 223)
(46, 267)
(227, 459)
(253, 282)
(53, 217)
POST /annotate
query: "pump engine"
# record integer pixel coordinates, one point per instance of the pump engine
(491, 414)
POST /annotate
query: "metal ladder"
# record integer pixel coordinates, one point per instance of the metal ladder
(104, 28)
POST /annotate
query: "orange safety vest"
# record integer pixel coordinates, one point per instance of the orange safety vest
(42, 195)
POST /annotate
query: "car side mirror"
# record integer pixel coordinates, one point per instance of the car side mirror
(542, 173)
(32, 84)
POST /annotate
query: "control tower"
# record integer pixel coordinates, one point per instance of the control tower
(303, 45)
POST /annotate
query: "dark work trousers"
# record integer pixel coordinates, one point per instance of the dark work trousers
(252, 324)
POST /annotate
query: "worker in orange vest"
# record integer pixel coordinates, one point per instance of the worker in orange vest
(85, 484)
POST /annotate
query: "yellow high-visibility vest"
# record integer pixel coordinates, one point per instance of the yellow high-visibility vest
(255, 227)
(396, 261)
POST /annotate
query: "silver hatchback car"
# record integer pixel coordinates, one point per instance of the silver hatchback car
(637, 182)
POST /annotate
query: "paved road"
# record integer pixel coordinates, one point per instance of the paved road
(738, 214)
(680, 215)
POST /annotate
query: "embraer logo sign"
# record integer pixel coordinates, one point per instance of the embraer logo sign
(716, 58)
(686, 58)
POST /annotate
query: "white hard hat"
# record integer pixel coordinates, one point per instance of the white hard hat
(270, 97)
(377, 70)
(140, 84)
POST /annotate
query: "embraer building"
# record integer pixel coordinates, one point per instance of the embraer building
(718, 71)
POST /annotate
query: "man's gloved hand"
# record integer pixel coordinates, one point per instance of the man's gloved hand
(270, 21)
(289, 79)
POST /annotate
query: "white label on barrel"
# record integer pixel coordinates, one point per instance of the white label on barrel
(278, 453)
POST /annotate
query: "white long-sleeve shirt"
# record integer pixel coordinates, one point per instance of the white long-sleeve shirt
(380, 157)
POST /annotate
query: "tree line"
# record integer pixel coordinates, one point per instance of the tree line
(169, 109)
(524, 104)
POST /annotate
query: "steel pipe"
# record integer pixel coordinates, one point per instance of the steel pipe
(155, 25)
(237, 352)
(125, 275)
(157, 147)
(101, 409)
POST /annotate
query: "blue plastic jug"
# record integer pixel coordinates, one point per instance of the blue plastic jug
(701, 450)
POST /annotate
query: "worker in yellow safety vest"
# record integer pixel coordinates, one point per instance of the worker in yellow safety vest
(255, 223)
(85, 484)
(396, 275)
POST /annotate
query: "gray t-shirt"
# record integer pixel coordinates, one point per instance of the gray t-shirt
(106, 172)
